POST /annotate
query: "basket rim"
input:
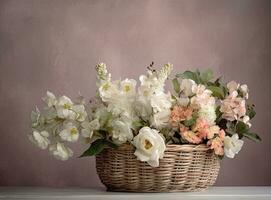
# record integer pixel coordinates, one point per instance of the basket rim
(170, 147)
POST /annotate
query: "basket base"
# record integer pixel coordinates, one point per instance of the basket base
(155, 191)
(184, 168)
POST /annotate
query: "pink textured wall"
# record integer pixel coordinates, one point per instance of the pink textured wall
(55, 45)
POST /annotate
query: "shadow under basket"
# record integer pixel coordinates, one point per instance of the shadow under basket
(183, 168)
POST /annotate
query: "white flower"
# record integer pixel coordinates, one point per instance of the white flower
(160, 119)
(246, 119)
(161, 102)
(164, 72)
(150, 146)
(60, 152)
(186, 87)
(232, 145)
(143, 107)
(64, 108)
(155, 80)
(50, 99)
(121, 132)
(109, 92)
(80, 111)
(150, 85)
(233, 107)
(208, 113)
(202, 97)
(232, 86)
(89, 128)
(70, 133)
(127, 87)
(102, 74)
(244, 90)
(40, 139)
(35, 117)
(183, 101)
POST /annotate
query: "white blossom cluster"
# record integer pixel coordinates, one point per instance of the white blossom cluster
(59, 125)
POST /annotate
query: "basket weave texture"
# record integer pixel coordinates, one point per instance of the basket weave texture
(183, 168)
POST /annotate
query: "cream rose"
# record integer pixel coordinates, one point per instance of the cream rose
(150, 146)
(232, 145)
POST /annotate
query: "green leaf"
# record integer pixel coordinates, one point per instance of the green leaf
(95, 148)
(229, 132)
(98, 146)
(137, 124)
(241, 128)
(250, 111)
(111, 144)
(252, 136)
(225, 90)
(206, 76)
(189, 122)
(189, 75)
(217, 81)
(220, 157)
(176, 85)
(216, 91)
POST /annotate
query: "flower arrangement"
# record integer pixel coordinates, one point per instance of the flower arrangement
(200, 110)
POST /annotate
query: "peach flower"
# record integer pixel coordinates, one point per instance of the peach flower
(217, 145)
(202, 128)
(191, 137)
(222, 134)
(183, 128)
(180, 113)
(201, 124)
(213, 130)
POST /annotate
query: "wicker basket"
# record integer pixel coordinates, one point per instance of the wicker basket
(183, 168)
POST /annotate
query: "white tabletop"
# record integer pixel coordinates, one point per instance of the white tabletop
(233, 193)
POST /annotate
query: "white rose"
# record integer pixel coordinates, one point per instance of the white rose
(64, 108)
(60, 152)
(208, 113)
(160, 119)
(80, 111)
(186, 87)
(40, 139)
(150, 146)
(70, 133)
(232, 145)
(121, 132)
(50, 99)
(232, 86)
